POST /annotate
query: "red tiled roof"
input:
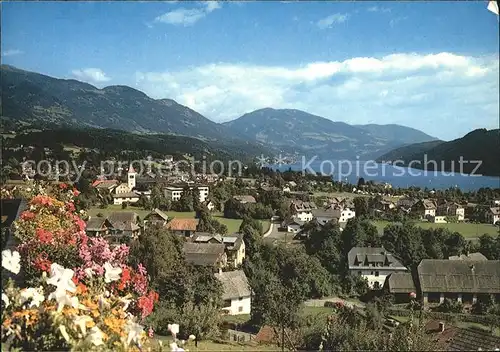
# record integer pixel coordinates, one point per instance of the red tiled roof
(183, 224)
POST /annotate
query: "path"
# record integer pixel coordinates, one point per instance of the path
(321, 302)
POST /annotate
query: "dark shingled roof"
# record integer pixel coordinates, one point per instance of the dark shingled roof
(124, 220)
(441, 275)
(245, 199)
(157, 214)
(235, 284)
(400, 283)
(359, 254)
(203, 253)
(461, 339)
(95, 223)
(471, 256)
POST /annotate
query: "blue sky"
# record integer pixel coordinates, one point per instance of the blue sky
(432, 66)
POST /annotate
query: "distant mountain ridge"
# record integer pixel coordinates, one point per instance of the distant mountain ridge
(479, 145)
(30, 96)
(299, 131)
(46, 101)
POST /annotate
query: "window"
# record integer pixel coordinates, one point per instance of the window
(241, 298)
(376, 273)
(240, 309)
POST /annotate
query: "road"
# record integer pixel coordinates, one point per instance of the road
(276, 235)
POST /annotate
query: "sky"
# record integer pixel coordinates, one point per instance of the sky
(433, 66)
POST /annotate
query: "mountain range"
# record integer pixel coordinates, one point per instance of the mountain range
(46, 101)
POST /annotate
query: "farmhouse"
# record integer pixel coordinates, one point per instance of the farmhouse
(156, 217)
(400, 284)
(183, 227)
(234, 245)
(425, 208)
(98, 226)
(374, 264)
(302, 210)
(125, 226)
(461, 280)
(493, 215)
(206, 254)
(237, 294)
(293, 226)
(451, 209)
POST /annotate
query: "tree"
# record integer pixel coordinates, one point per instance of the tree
(208, 224)
(158, 199)
(361, 206)
(185, 203)
(489, 246)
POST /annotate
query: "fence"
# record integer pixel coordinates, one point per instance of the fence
(443, 316)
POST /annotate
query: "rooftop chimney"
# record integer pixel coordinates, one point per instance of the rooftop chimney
(441, 327)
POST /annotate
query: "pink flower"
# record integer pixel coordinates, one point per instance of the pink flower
(76, 192)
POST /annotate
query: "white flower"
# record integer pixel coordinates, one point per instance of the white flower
(175, 348)
(34, 294)
(125, 301)
(192, 337)
(81, 322)
(64, 333)
(11, 261)
(5, 300)
(63, 299)
(111, 274)
(134, 331)
(173, 328)
(89, 272)
(95, 336)
(62, 278)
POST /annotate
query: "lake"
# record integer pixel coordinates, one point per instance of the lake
(405, 177)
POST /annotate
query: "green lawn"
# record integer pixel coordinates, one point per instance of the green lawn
(233, 225)
(208, 345)
(468, 230)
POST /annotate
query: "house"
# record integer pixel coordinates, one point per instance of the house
(405, 204)
(469, 256)
(493, 215)
(183, 227)
(293, 226)
(122, 188)
(374, 264)
(384, 205)
(450, 209)
(205, 254)
(128, 197)
(323, 216)
(98, 226)
(452, 338)
(234, 245)
(245, 199)
(302, 210)
(156, 217)
(108, 185)
(400, 285)
(174, 193)
(460, 280)
(425, 208)
(125, 226)
(237, 294)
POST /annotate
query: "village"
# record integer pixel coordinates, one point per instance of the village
(293, 214)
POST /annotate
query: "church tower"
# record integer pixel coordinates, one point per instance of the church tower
(131, 177)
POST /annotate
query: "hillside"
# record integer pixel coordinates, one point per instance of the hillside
(398, 133)
(478, 145)
(113, 142)
(298, 131)
(33, 97)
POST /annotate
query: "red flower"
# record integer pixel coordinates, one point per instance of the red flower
(70, 207)
(76, 192)
(44, 236)
(146, 303)
(63, 186)
(42, 263)
(125, 278)
(75, 280)
(27, 215)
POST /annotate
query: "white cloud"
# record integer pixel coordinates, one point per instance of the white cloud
(378, 9)
(396, 20)
(94, 75)
(12, 52)
(438, 93)
(330, 21)
(187, 17)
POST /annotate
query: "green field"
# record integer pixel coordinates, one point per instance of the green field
(467, 230)
(233, 225)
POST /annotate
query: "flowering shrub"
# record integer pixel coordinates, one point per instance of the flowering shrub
(82, 294)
